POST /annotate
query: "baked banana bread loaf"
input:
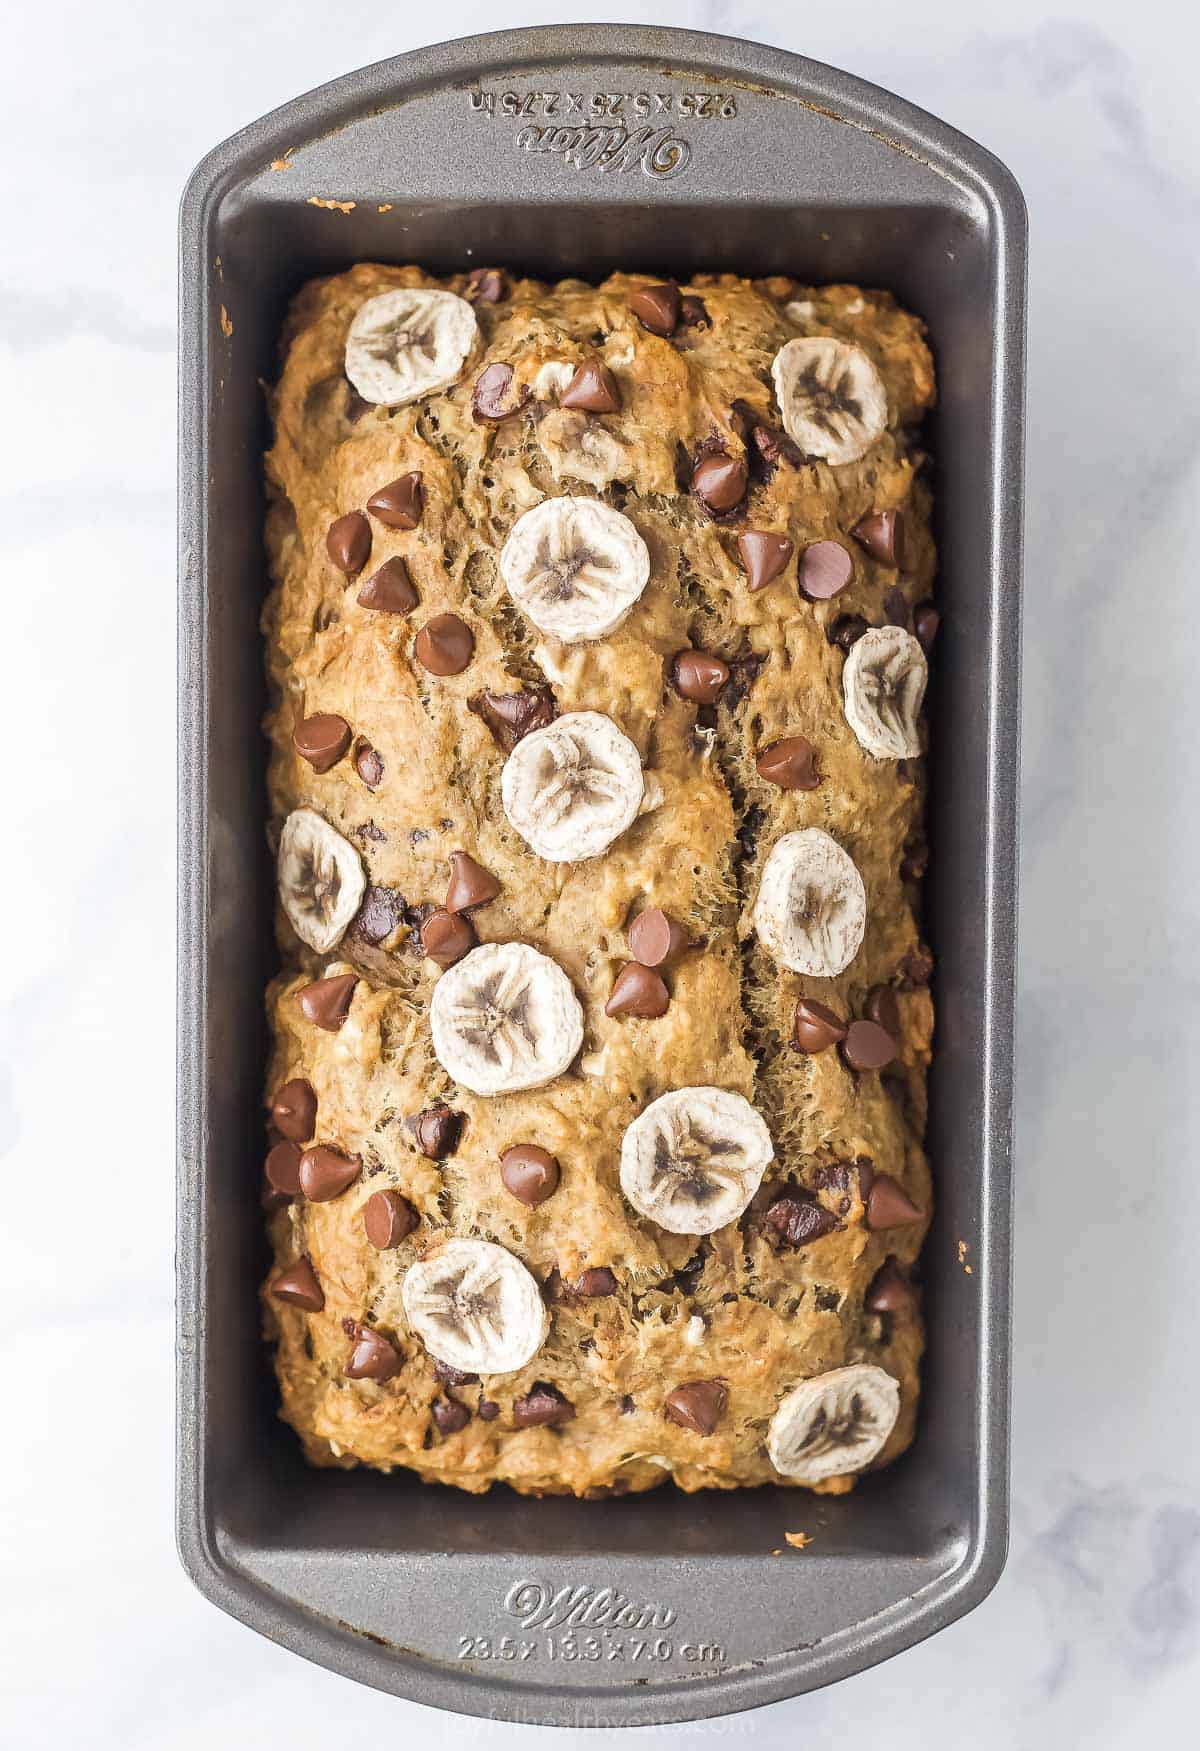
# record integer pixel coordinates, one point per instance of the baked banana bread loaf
(597, 649)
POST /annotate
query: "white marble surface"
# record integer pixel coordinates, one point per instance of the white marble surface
(1092, 1636)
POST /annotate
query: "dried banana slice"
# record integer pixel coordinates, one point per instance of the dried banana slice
(884, 682)
(571, 788)
(409, 343)
(832, 398)
(694, 1158)
(505, 1017)
(475, 1307)
(811, 909)
(321, 879)
(835, 1423)
(575, 567)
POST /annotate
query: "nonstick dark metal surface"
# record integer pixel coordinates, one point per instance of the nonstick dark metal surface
(576, 151)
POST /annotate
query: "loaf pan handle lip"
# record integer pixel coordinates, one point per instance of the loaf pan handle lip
(846, 100)
(842, 97)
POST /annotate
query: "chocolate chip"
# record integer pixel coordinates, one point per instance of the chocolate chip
(492, 398)
(544, 1407)
(321, 739)
(380, 915)
(799, 1220)
(451, 1376)
(889, 1205)
(816, 1027)
(916, 969)
(719, 481)
(882, 534)
(697, 676)
(348, 542)
(488, 1410)
(693, 312)
(846, 630)
(470, 884)
(926, 621)
(699, 1405)
(743, 672)
(446, 937)
(593, 1283)
(388, 1218)
(626, 1404)
(449, 1415)
(791, 763)
(655, 938)
(638, 991)
(400, 504)
(881, 1006)
(825, 570)
(657, 307)
(299, 1285)
(895, 607)
(485, 285)
(764, 555)
(867, 1046)
(373, 1357)
(368, 763)
(530, 1173)
(774, 447)
(890, 1291)
(509, 716)
(593, 389)
(326, 1173)
(326, 1002)
(294, 1109)
(390, 590)
(282, 1169)
(444, 645)
(437, 1130)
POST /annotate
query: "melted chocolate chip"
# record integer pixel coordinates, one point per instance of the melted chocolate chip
(326, 1173)
(400, 504)
(321, 739)
(326, 1002)
(437, 1130)
(882, 535)
(889, 1205)
(485, 285)
(530, 1173)
(283, 1169)
(816, 1027)
(846, 630)
(719, 481)
(825, 570)
(509, 716)
(388, 1218)
(294, 1110)
(446, 937)
(798, 1220)
(657, 307)
(593, 1284)
(381, 914)
(390, 590)
(867, 1046)
(488, 1410)
(470, 884)
(890, 1290)
(698, 677)
(444, 645)
(638, 991)
(916, 969)
(926, 621)
(450, 1416)
(348, 543)
(881, 1006)
(698, 1405)
(451, 1376)
(492, 399)
(765, 555)
(693, 312)
(373, 1357)
(791, 763)
(593, 389)
(298, 1284)
(368, 763)
(544, 1407)
(655, 938)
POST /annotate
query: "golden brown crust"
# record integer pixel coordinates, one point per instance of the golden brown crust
(734, 1306)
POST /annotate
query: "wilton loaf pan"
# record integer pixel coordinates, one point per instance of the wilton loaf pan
(575, 151)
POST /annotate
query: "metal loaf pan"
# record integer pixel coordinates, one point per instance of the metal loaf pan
(576, 151)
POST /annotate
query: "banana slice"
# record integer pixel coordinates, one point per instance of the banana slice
(575, 567)
(475, 1307)
(831, 397)
(578, 447)
(321, 879)
(694, 1158)
(409, 343)
(505, 1017)
(811, 909)
(884, 685)
(570, 789)
(835, 1423)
